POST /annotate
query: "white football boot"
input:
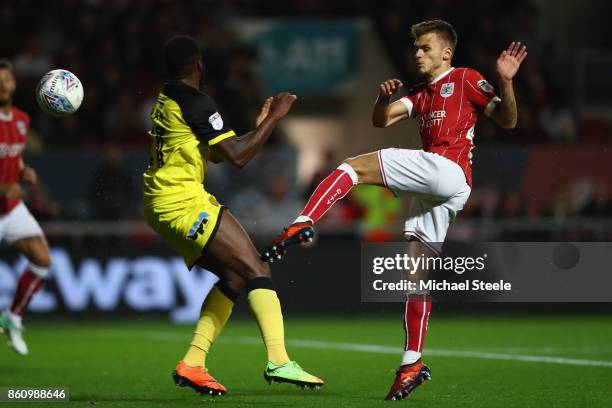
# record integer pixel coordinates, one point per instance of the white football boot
(11, 325)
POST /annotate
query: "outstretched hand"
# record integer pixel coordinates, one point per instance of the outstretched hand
(263, 113)
(389, 87)
(281, 105)
(29, 175)
(510, 60)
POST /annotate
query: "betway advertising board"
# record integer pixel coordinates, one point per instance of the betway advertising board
(110, 283)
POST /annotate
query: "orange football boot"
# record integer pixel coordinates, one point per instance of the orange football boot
(295, 234)
(198, 379)
(407, 378)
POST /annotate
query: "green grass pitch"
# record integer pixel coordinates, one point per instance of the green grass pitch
(539, 361)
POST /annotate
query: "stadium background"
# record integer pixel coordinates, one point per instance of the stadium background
(547, 180)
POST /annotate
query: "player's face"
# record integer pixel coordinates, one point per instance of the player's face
(7, 86)
(430, 53)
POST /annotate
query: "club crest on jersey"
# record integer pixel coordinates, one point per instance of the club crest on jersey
(485, 86)
(447, 89)
(21, 127)
(216, 121)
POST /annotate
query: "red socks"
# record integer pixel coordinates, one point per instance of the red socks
(29, 283)
(416, 317)
(332, 189)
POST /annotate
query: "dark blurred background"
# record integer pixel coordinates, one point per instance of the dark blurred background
(547, 180)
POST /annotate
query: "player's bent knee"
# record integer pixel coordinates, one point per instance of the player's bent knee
(251, 267)
(235, 284)
(230, 288)
(258, 270)
(40, 270)
(42, 260)
(365, 168)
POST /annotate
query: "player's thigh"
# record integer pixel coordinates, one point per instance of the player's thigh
(228, 278)
(429, 219)
(367, 167)
(232, 249)
(23, 232)
(421, 173)
(427, 223)
(35, 249)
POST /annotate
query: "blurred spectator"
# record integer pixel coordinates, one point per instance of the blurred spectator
(112, 189)
(30, 62)
(379, 212)
(600, 203)
(558, 121)
(278, 208)
(40, 204)
(511, 204)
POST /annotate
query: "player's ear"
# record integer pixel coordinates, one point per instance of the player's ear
(447, 53)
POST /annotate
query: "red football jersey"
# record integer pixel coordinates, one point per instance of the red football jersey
(446, 110)
(13, 134)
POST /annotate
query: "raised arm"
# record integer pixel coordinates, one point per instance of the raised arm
(505, 113)
(238, 151)
(386, 113)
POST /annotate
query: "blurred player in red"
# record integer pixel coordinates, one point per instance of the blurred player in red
(17, 226)
(438, 177)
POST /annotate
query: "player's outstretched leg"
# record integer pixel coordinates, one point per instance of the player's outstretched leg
(233, 250)
(31, 281)
(364, 169)
(216, 310)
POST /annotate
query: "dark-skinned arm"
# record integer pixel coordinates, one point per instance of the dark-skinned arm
(239, 150)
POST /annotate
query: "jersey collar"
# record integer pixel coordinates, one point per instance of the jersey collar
(6, 118)
(442, 75)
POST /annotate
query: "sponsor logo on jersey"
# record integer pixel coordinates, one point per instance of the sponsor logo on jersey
(198, 227)
(216, 121)
(11, 150)
(21, 127)
(430, 119)
(447, 89)
(485, 86)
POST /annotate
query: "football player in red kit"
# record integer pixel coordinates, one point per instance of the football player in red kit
(438, 177)
(17, 226)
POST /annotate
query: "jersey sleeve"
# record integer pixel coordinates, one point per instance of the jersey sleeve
(410, 99)
(479, 92)
(408, 102)
(205, 121)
